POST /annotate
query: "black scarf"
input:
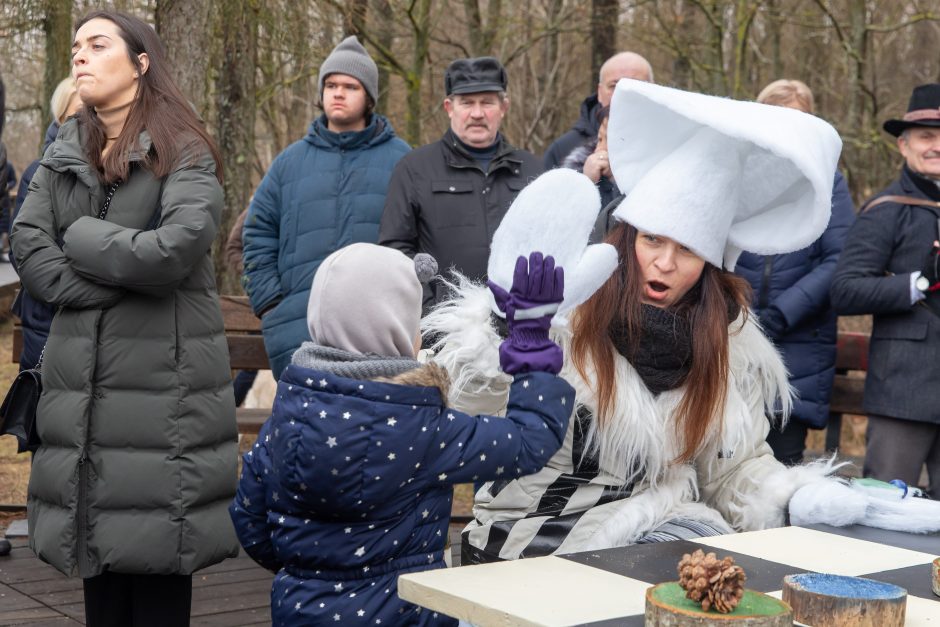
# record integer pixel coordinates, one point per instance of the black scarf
(663, 355)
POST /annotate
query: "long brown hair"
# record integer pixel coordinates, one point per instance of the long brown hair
(159, 108)
(707, 307)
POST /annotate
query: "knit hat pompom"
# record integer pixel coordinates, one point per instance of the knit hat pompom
(366, 298)
(425, 267)
(350, 58)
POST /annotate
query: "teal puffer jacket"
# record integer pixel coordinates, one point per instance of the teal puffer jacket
(322, 193)
(137, 417)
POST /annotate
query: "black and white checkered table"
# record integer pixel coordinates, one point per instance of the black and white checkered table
(606, 588)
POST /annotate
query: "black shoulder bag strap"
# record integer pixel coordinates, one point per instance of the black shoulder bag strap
(931, 205)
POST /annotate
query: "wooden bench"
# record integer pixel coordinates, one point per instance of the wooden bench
(851, 364)
(246, 351)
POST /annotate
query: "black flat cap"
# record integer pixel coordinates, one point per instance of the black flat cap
(472, 76)
(922, 110)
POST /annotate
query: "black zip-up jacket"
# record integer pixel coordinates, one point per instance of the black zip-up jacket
(442, 203)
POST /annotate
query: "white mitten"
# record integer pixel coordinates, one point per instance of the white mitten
(554, 215)
(832, 502)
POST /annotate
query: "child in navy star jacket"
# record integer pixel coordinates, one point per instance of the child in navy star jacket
(350, 482)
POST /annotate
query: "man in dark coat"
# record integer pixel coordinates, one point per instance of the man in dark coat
(889, 268)
(447, 198)
(621, 65)
(321, 193)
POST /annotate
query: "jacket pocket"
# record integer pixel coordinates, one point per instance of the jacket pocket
(901, 330)
(451, 187)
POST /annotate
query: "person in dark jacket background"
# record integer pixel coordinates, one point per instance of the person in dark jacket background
(621, 65)
(591, 160)
(36, 316)
(791, 300)
(447, 198)
(350, 481)
(321, 193)
(889, 268)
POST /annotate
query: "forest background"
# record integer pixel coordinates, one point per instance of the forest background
(250, 69)
(250, 66)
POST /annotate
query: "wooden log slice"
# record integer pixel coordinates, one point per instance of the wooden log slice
(935, 581)
(836, 601)
(667, 606)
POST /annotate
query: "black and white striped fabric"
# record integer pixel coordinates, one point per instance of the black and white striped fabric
(566, 508)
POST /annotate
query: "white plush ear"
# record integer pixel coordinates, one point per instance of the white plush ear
(554, 215)
(597, 264)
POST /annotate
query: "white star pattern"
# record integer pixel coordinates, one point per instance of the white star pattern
(361, 613)
(309, 381)
(450, 416)
(246, 502)
(334, 472)
(336, 617)
(360, 551)
(425, 513)
(346, 414)
(322, 383)
(525, 384)
(443, 444)
(563, 401)
(482, 457)
(540, 398)
(331, 442)
(499, 470)
(423, 429)
(280, 520)
(392, 422)
(442, 476)
(297, 605)
(338, 587)
(275, 497)
(322, 414)
(347, 530)
(391, 457)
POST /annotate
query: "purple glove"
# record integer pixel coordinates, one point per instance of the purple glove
(538, 288)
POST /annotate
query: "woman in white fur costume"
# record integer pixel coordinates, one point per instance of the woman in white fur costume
(674, 380)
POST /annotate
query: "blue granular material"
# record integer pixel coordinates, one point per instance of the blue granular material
(849, 587)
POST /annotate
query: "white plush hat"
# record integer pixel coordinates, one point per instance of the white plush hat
(719, 175)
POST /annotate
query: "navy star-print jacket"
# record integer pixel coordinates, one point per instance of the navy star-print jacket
(350, 485)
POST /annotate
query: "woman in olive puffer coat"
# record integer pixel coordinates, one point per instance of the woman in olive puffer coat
(138, 458)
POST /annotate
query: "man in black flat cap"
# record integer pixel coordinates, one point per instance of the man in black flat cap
(448, 197)
(890, 267)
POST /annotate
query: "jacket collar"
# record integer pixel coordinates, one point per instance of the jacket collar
(458, 157)
(67, 152)
(375, 131)
(918, 185)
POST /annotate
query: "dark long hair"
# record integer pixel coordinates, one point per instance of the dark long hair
(159, 108)
(707, 307)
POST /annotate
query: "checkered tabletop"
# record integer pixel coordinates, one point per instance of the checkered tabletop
(606, 588)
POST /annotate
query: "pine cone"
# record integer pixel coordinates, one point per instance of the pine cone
(714, 583)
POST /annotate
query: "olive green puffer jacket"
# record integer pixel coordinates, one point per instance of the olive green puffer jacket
(137, 417)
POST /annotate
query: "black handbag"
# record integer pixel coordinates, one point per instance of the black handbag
(18, 411)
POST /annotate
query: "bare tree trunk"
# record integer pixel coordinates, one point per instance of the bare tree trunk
(235, 123)
(184, 27)
(604, 15)
(57, 29)
(385, 35)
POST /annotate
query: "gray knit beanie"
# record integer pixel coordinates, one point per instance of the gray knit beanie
(367, 299)
(350, 58)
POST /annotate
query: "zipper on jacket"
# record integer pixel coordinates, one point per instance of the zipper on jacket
(82, 515)
(764, 296)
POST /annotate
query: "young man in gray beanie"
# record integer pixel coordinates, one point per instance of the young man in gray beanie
(322, 193)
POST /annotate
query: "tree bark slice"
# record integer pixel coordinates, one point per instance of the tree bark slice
(666, 606)
(935, 581)
(835, 601)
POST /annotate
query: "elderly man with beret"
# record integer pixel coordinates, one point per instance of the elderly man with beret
(448, 197)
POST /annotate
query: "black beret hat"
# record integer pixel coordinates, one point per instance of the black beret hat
(472, 76)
